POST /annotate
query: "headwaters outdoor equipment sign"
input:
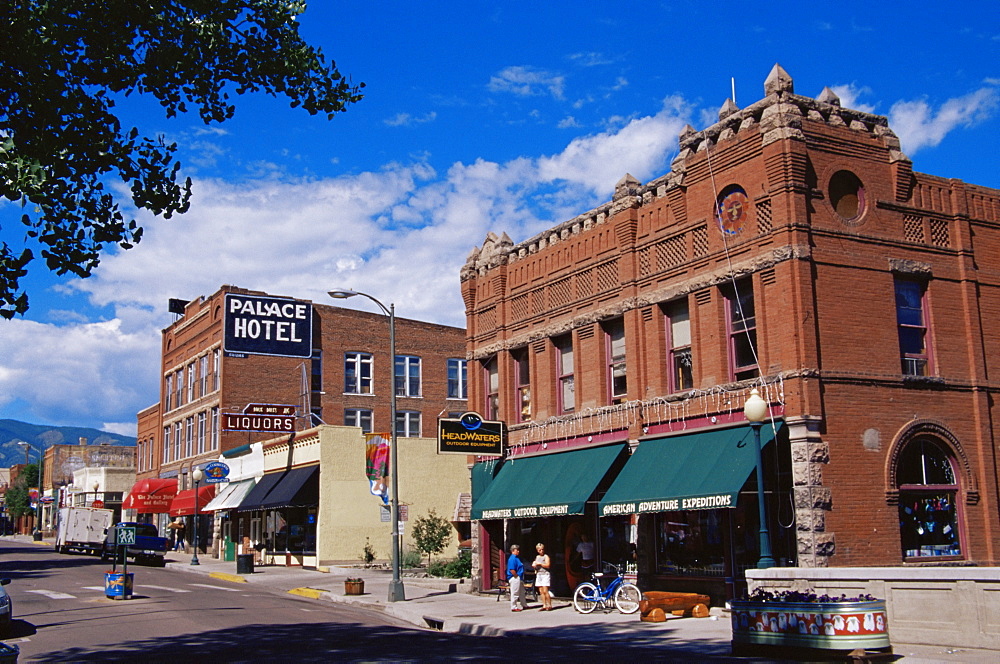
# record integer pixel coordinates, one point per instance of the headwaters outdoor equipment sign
(267, 326)
(261, 417)
(471, 434)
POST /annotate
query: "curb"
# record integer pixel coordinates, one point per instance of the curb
(311, 593)
(227, 577)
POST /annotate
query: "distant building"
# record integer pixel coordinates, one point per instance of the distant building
(791, 248)
(230, 356)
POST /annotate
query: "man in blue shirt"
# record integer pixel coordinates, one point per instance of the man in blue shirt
(515, 578)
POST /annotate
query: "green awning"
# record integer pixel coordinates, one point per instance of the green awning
(695, 471)
(546, 485)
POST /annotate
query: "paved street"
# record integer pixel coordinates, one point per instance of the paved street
(210, 613)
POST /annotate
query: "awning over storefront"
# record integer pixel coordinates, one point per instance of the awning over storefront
(183, 502)
(231, 496)
(695, 471)
(298, 488)
(151, 495)
(256, 496)
(547, 485)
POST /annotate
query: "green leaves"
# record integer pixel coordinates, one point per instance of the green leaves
(61, 145)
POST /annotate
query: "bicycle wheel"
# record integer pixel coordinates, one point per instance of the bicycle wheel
(585, 597)
(627, 598)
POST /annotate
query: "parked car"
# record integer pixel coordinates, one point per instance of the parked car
(149, 546)
(6, 607)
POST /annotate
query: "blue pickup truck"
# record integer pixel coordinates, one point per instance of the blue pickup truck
(149, 547)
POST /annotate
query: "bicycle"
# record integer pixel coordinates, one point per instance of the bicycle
(620, 594)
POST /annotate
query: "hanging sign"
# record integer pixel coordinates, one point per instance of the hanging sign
(259, 325)
(471, 434)
(216, 472)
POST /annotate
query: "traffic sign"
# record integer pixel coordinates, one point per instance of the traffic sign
(125, 536)
(97, 504)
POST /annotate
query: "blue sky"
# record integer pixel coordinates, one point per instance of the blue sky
(506, 117)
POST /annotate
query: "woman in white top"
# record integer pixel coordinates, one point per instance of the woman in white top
(543, 578)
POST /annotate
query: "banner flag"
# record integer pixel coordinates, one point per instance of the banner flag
(377, 464)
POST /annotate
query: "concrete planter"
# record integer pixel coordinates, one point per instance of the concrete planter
(833, 627)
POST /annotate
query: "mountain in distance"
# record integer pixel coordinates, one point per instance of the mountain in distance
(43, 436)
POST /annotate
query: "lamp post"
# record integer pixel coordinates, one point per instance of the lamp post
(37, 533)
(198, 476)
(396, 591)
(755, 410)
(96, 486)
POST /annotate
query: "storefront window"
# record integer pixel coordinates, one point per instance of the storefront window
(928, 509)
(690, 543)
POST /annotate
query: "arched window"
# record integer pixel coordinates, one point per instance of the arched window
(928, 501)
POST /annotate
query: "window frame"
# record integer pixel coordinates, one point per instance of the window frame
(407, 417)
(741, 328)
(355, 417)
(615, 362)
(214, 436)
(203, 377)
(676, 354)
(405, 383)
(202, 424)
(190, 382)
(521, 358)
(168, 392)
(491, 387)
(909, 360)
(189, 436)
(922, 492)
(360, 362)
(458, 386)
(167, 441)
(565, 380)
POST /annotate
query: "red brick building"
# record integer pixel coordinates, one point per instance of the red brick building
(342, 379)
(791, 248)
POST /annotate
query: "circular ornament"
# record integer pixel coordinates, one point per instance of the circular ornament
(734, 209)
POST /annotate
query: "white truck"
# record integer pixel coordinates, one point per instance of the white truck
(82, 529)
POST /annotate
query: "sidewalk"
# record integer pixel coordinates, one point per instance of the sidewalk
(449, 607)
(446, 606)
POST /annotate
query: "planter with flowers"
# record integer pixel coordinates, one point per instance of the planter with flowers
(792, 620)
(354, 586)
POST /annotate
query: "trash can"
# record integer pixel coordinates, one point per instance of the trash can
(118, 585)
(244, 563)
(8, 653)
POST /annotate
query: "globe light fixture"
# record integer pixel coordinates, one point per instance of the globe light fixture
(756, 410)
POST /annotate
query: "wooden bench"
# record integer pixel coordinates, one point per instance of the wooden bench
(503, 589)
(655, 604)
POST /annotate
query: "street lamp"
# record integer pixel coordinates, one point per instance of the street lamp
(755, 410)
(37, 533)
(198, 476)
(96, 486)
(396, 591)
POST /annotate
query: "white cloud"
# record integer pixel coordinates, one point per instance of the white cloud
(401, 233)
(527, 81)
(407, 120)
(850, 93)
(918, 125)
(67, 373)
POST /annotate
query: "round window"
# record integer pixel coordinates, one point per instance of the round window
(847, 195)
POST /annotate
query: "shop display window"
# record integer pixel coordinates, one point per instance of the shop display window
(928, 508)
(690, 543)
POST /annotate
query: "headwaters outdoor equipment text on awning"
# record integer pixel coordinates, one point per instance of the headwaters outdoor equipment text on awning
(268, 326)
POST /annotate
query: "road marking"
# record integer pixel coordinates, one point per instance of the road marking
(52, 594)
(101, 588)
(169, 590)
(228, 590)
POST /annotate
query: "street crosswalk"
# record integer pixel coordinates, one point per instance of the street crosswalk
(57, 594)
